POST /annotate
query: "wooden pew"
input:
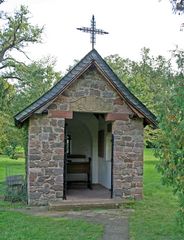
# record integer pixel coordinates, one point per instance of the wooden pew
(76, 166)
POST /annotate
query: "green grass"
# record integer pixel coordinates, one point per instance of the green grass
(10, 167)
(18, 226)
(155, 217)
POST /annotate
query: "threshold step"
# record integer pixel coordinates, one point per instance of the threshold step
(66, 205)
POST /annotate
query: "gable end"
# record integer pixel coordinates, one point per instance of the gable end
(92, 58)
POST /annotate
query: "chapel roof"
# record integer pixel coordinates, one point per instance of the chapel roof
(92, 58)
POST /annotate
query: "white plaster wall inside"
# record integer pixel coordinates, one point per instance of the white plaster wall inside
(104, 163)
(80, 138)
(83, 129)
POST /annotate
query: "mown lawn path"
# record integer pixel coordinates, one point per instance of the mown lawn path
(115, 221)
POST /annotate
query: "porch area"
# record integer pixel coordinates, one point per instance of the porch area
(82, 193)
(88, 157)
(82, 198)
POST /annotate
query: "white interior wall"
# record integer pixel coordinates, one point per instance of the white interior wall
(92, 123)
(84, 129)
(104, 163)
(81, 138)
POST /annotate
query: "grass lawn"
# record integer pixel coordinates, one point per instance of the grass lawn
(10, 167)
(18, 226)
(155, 217)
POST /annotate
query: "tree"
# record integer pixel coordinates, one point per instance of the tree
(35, 79)
(178, 6)
(170, 149)
(144, 79)
(7, 92)
(20, 83)
(10, 137)
(16, 33)
(161, 89)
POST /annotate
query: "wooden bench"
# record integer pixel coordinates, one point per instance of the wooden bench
(75, 166)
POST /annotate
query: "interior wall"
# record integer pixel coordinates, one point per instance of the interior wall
(81, 138)
(84, 128)
(84, 131)
(104, 163)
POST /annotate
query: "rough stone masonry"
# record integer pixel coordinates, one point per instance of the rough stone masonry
(91, 92)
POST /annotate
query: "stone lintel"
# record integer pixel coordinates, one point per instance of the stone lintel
(117, 116)
(61, 114)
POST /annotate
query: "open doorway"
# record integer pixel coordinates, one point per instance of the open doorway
(88, 163)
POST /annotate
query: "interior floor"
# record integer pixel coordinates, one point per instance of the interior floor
(97, 192)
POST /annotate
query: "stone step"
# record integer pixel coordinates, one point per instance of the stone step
(66, 205)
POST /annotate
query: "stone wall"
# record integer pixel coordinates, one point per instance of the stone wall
(45, 159)
(90, 93)
(128, 159)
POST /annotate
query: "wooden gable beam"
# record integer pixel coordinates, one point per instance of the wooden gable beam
(60, 114)
(117, 116)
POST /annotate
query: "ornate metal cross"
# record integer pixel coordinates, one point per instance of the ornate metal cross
(93, 31)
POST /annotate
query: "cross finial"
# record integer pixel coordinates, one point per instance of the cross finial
(93, 31)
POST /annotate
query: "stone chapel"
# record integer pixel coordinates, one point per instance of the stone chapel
(86, 131)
